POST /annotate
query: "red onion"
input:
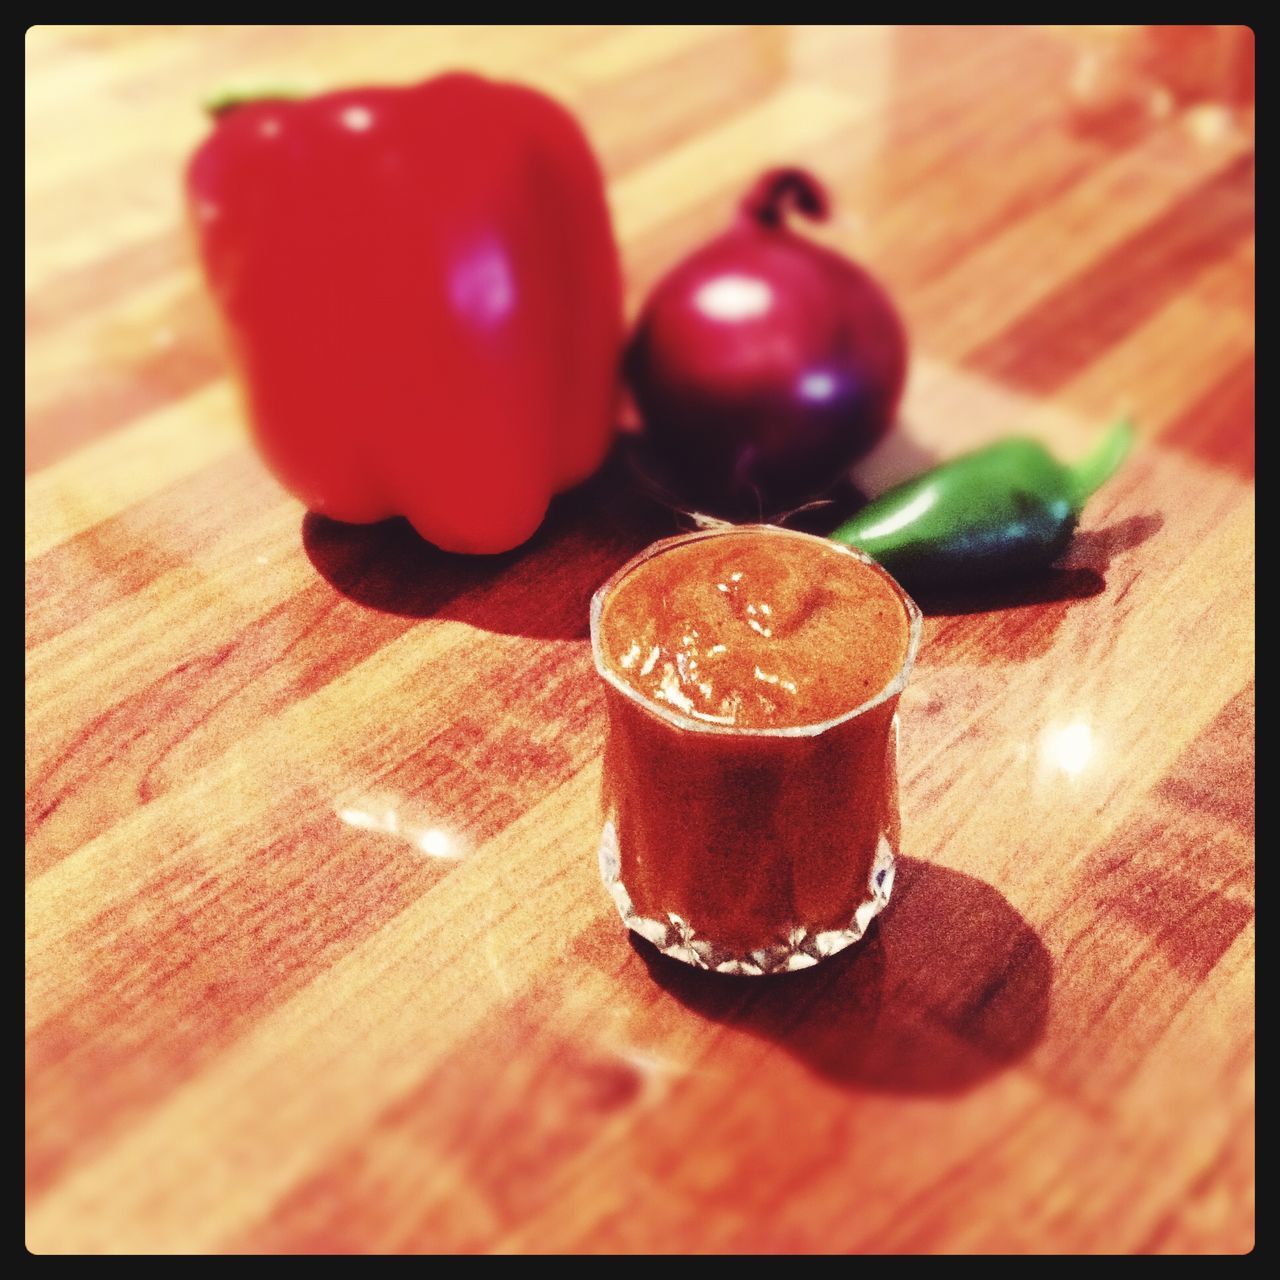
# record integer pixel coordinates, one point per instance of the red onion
(764, 364)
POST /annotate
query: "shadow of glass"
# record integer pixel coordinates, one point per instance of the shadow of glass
(539, 589)
(949, 987)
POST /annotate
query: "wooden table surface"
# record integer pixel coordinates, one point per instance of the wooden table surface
(317, 954)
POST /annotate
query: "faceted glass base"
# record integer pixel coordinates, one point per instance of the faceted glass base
(799, 948)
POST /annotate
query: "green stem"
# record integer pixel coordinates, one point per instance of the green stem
(228, 99)
(1092, 472)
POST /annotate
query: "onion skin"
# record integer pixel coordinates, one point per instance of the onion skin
(764, 364)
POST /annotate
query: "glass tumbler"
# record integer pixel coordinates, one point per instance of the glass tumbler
(748, 850)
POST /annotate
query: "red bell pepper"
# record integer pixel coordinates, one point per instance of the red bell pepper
(423, 298)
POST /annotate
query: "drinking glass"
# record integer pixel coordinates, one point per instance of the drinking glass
(748, 850)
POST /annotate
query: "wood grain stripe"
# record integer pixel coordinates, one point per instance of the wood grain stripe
(1050, 245)
(1219, 424)
(359, 1028)
(102, 480)
(1165, 897)
(1066, 331)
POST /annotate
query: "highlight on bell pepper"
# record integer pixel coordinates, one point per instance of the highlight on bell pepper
(1008, 509)
(423, 298)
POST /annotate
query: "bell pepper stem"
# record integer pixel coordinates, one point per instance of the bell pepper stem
(228, 98)
(1090, 473)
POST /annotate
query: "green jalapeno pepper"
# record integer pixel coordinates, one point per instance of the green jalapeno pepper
(1005, 510)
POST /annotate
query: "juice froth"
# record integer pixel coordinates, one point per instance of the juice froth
(753, 631)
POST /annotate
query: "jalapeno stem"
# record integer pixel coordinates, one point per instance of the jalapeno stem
(1092, 472)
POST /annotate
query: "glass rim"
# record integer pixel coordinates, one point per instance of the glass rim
(692, 723)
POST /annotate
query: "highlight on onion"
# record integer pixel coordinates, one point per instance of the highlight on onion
(764, 364)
